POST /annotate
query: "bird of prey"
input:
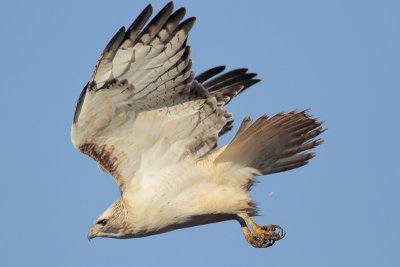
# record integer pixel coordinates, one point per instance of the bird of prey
(153, 126)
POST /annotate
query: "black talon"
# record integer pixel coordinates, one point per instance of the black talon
(269, 243)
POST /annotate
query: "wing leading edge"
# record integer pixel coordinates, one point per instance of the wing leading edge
(143, 101)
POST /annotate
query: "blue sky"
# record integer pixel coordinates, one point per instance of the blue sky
(339, 58)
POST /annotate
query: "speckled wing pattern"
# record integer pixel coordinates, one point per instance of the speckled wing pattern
(143, 104)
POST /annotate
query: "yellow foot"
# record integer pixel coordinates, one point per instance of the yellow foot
(263, 236)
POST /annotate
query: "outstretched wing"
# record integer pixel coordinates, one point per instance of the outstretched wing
(142, 106)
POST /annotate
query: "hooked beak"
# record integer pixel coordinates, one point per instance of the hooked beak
(91, 234)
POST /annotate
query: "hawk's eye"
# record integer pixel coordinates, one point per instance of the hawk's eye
(102, 222)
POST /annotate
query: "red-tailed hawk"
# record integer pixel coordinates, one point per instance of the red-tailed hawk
(154, 127)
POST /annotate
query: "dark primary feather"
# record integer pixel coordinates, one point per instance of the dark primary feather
(225, 87)
(201, 78)
(155, 25)
(133, 31)
(109, 52)
(230, 83)
(226, 76)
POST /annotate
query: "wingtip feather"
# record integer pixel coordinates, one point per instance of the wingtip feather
(187, 25)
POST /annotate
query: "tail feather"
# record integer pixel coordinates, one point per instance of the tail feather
(274, 144)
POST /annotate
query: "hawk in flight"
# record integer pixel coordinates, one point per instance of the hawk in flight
(153, 126)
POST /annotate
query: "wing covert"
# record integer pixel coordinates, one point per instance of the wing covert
(142, 103)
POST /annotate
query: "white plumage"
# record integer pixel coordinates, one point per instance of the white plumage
(154, 128)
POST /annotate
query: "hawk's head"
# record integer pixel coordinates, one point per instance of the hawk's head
(113, 222)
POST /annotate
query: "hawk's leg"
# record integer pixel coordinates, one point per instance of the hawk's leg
(262, 236)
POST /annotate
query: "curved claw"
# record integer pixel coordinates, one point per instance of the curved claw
(259, 242)
(272, 233)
